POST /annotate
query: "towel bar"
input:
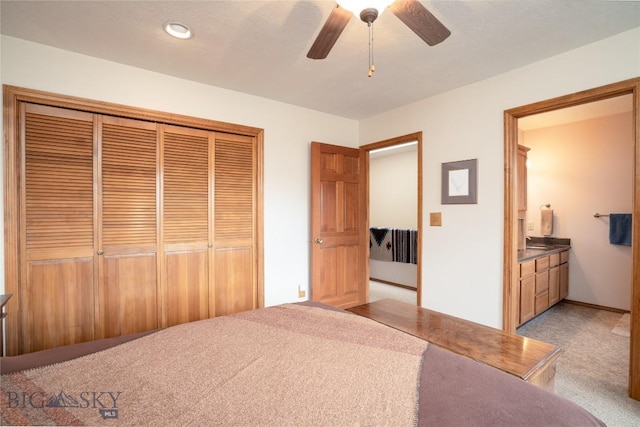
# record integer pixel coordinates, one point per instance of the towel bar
(597, 215)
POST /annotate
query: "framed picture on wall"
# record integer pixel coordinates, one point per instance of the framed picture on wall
(460, 182)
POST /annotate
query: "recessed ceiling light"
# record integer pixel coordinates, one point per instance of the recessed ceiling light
(177, 30)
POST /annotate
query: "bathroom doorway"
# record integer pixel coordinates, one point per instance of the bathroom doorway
(510, 300)
(579, 171)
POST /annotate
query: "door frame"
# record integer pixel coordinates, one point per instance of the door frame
(510, 273)
(416, 136)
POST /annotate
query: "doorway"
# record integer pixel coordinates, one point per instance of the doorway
(510, 273)
(400, 271)
(580, 169)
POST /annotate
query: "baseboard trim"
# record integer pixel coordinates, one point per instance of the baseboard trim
(400, 285)
(599, 307)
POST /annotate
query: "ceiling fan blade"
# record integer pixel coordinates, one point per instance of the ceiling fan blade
(420, 20)
(331, 30)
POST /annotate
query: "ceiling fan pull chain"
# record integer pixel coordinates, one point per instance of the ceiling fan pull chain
(372, 67)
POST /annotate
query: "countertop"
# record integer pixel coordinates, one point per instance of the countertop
(539, 251)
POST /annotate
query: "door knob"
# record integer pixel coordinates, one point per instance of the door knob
(319, 240)
(100, 252)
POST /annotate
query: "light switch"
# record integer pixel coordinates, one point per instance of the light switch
(435, 219)
(529, 226)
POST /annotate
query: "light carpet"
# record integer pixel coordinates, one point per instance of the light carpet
(593, 370)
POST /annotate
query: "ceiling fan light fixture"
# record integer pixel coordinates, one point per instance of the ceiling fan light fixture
(369, 15)
(358, 6)
(178, 30)
(411, 12)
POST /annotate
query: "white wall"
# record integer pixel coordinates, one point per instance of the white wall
(462, 260)
(393, 194)
(582, 168)
(288, 131)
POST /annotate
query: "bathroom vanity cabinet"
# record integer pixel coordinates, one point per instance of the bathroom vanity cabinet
(544, 281)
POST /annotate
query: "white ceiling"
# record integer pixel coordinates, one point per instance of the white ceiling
(260, 47)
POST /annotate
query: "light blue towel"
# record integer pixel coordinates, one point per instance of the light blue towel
(620, 229)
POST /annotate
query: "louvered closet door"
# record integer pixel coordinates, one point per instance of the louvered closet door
(57, 205)
(235, 225)
(186, 225)
(128, 298)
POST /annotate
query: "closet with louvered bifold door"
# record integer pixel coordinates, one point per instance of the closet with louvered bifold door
(58, 262)
(187, 223)
(129, 225)
(234, 230)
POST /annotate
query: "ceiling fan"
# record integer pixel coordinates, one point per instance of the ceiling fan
(411, 12)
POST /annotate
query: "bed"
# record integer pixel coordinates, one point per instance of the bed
(293, 364)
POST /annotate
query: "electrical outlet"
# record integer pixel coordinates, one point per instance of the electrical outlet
(529, 226)
(301, 293)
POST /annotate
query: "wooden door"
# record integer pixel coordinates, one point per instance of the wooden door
(527, 298)
(186, 224)
(235, 225)
(58, 210)
(339, 230)
(128, 230)
(542, 291)
(554, 285)
(564, 280)
(521, 167)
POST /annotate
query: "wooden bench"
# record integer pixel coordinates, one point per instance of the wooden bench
(533, 361)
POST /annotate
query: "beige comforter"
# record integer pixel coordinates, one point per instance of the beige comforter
(283, 365)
